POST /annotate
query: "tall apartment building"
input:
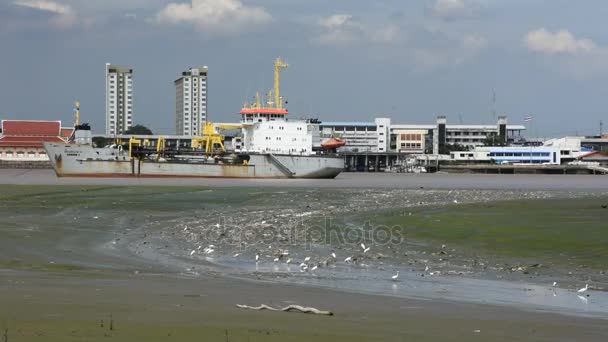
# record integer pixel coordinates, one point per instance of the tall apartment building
(119, 99)
(191, 101)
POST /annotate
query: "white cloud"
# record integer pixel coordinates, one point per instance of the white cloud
(451, 9)
(474, 42)
(560, 42)
(580, 58)
(343, 29)
(214, 15)
(62, 15)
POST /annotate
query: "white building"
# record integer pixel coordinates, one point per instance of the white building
(191, 101)
(383, 136)
(359, 136)
(119, 99)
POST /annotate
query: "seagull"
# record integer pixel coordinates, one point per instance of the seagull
(456, 201)
(554, 284)
(289, 260)
(303, 265)
(306, 259)
(217, 225)
(362, 245)
(395, 276)
(584, 289)
(236, 255)
(192, 253)
(333, 254)
(426, 269)
(209, 250)
(257, 257)
(314, 267)
(276, 259)
(366, 250)
(349, 259)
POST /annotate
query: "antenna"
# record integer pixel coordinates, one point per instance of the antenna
(460, 118)
(601, 128)
(494, 103)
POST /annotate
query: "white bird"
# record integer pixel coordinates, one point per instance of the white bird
(366, 250)
(426, 269)
(395, 276)
(209, 250)
(199, 247)
(276, 259)
(554, 284)
(96, 217)
(455, 201)
(314, 267)
(303, 265)
(362, 245)
(257, 257)
(192, 253)
(236, 255)
(306, 259)
(333, 255)
(217, 225)
(584, 289)
(349, 259)
(289, 260)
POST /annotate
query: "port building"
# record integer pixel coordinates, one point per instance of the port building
(383, 136)
(191, 101)
(119, 99)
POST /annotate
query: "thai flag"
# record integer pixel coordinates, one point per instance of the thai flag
(528, 118)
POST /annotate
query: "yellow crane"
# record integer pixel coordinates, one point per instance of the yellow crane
(212, 141)
(278, 65)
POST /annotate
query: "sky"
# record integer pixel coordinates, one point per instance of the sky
(350, 60)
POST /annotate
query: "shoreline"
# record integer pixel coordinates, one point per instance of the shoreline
(344, 180)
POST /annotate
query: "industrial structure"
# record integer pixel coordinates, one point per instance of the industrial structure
(119, 99)
(191, 101)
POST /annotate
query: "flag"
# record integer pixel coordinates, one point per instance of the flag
(528, 118)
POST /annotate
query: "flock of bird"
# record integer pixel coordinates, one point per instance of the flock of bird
(305, 265)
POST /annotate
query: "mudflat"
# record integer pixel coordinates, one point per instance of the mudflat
(113, 262)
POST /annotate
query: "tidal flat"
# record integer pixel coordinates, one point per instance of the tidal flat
(171, 262)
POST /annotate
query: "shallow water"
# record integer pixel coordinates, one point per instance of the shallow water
(166, 230)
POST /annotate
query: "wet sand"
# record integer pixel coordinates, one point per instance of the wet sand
(344, 180)
(61, 274)
(71, 307)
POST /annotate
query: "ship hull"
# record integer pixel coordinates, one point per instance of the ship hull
(69, 160)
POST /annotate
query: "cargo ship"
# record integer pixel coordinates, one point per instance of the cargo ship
(269, 146)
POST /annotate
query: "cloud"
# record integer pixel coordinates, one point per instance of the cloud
(343, 29)
(580, 58)
(474, 42)
(452, 9)
(560, 42)
(214, 15)
(63, 16)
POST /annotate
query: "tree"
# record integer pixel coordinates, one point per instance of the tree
(138, 130)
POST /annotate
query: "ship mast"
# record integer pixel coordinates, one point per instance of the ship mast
(278, 65)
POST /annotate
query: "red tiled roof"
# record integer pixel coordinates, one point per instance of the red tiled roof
(31, 128)
(66, 132)
(10, 141)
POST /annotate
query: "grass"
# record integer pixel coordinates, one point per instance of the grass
(560, 230)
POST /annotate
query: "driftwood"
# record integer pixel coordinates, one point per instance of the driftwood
(290, 308)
